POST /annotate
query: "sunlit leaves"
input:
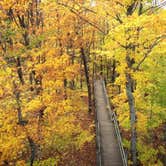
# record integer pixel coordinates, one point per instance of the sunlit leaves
(137, 43)
(39, 42)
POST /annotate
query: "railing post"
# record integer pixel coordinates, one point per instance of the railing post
(116, 127)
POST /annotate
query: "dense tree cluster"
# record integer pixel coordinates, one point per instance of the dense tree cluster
(51, 51)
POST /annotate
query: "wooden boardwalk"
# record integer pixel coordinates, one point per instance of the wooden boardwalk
(110, 153)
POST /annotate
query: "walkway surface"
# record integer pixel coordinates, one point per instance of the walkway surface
(110, 153)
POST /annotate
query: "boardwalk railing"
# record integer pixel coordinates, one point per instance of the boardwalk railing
(116, 126)
(98, 139)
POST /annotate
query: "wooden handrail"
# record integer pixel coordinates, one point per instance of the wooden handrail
(116, 126)
(98, 139)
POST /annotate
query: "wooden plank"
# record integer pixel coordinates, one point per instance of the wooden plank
(109, 146)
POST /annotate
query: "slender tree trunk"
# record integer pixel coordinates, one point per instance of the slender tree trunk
(93, 79)
(39, 132)
(33, 150)
(72, 82)
(101, 65)
(22, 123)
(113, 77)
(19, 70)
(131, 102)
(107, 72)
(65, 88)
(84, 59)
(81, 74)
(16, 92)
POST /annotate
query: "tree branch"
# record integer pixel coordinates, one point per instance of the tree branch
(81, 17)
(157, 7)
(154, 44)
(131, 8)
(118, 43)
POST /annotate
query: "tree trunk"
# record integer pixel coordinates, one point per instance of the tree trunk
(101, 66)
(131, 102)
(113, 76)
(81, 81)
(33, 150)
(65, 88)
(84, 59)
(22, 122)
(19, 70)
(16, 92)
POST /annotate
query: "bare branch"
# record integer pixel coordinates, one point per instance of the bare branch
(157, 7)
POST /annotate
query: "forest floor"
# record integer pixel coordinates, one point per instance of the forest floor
(86, 156)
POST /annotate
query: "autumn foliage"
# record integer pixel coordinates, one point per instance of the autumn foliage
(50, 54)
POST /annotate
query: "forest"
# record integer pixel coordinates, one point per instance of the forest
(52, 52)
